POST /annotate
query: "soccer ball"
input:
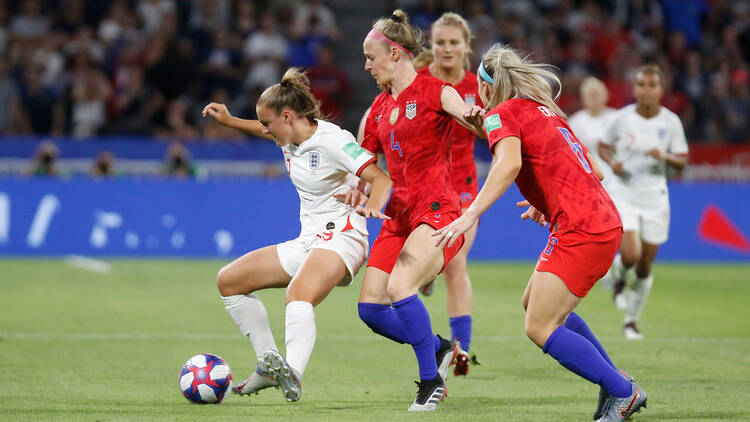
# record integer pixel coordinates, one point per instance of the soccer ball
(205, 378)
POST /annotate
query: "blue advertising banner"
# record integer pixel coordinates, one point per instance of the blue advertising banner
(710, 222)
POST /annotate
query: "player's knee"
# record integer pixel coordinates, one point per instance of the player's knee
(535, 333)
(223, 281)
(629, 257)
(455, 271)
(394, 291)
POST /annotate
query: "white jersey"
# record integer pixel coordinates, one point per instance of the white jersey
(589, 129)
(632, 136)
(326, 164)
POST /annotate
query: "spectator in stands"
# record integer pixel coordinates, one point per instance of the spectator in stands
(243, 22)
(9, 100)
(90, 93)
(4, 34)
(736, 123)
(329, 84)
(43, 112)
(322, 25)
(212, 129)
(266, 53)
(177, 162)
(152, 12)
(178, 123)
(44, 163)
(30, 24)
(103, 165)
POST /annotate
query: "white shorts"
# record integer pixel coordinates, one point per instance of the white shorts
(644, 211)
(351, 245)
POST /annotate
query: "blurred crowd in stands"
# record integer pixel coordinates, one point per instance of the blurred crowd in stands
(146, 67)
(703, 46)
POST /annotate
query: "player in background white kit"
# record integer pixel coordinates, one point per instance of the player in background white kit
(641, 140)
(323, 162)
(589, 124)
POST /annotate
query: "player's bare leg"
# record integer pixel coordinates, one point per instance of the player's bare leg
(418, 263)
(236, 282)
(459, 301)
(638, 291)
(630, 255)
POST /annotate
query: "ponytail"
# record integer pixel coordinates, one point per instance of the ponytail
(515, 77)
(294, 92)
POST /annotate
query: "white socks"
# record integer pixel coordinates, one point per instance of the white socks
(251, 318)
(636, 296)
(300, 334)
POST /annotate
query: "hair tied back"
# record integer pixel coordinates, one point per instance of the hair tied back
(396, 18)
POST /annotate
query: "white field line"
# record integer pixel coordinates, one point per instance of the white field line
(334, 337)
(88, 264)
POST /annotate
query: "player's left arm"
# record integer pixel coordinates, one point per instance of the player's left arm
(471, 117)
(505, 168)
(676, 155)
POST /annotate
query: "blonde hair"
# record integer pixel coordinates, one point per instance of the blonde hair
(294, 92)
(593, 83)
(516, 77)
(397, 28)
(454, 19)
(423, 59)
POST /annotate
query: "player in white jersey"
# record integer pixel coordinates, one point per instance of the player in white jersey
(324, 163)
(589, 123)
(641, 140)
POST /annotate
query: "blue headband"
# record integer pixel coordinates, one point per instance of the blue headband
(483, 73)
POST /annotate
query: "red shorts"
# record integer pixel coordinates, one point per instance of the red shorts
(580, 259)
(466, 186)
(390, 241)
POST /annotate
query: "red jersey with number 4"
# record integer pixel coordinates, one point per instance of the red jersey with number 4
(464, 171)
(413, 132)
(555, 177)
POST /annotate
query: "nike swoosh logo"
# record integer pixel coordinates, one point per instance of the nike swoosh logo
(626, 412)
(544, 259)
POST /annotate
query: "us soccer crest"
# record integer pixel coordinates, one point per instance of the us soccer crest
(661, 133)
(470, 99)
(394, 116)
(314, 160)
(411, 109)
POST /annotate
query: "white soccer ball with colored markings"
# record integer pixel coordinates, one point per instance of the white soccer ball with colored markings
(205, 378)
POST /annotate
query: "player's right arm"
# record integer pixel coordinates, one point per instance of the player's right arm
(221, 114)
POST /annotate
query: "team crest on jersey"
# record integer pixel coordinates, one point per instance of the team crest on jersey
(314, 160)
(661, 133)
(411, 109)
(394, 116)
(470, 99)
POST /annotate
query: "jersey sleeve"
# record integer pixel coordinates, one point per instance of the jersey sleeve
(609, 134)
(349, 155)
(499, 124)
(370, 140)
(677, 142)
(433, 95)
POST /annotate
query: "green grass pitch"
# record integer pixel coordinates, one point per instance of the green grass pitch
(77, 345)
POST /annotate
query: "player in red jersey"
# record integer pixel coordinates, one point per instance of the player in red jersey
(410, 123)
(448, 60)
(534, 146)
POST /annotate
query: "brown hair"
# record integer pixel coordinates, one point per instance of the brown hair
(294, 92)
(516, 77)
(652, 69)
(397, 28)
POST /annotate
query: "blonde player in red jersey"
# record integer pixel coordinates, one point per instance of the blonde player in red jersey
(534, 146)
(409, 123)
(324, 162)
(448, 60)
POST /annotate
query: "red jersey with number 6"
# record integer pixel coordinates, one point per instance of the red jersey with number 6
(555, 177)
(413, 131)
